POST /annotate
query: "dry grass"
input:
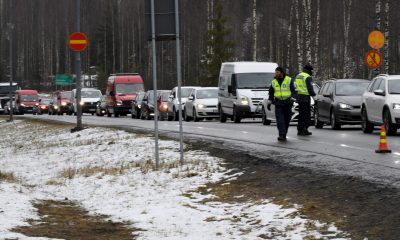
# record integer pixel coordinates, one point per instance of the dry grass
(65, 220)
(7, 177)
(70, 173)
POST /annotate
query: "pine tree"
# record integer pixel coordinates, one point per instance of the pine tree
(220, 49)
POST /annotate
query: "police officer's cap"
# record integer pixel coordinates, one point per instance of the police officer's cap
(308, 67)
(280, 69)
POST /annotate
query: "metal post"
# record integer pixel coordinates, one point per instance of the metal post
(10, 28)
(179, 76)
(78, 71)
(153, 43)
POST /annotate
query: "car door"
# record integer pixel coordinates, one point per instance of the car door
(325, 101)
(189, 103)
(380, 101)
(318, 97)
(371, 102)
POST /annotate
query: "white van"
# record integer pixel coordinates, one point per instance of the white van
(89, 99)
(242, 86)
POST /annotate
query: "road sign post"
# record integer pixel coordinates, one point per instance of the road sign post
(78, 42)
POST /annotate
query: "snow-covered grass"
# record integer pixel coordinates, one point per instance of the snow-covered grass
(112, 172)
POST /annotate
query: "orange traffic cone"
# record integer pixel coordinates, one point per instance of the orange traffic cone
(383, 148)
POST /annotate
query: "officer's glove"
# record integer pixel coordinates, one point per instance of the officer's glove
(269, 105)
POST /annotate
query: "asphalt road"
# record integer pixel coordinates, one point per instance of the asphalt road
(344, 152)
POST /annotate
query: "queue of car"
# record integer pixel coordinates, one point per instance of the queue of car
(241, 93)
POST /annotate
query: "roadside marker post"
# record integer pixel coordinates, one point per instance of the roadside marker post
(383, 148)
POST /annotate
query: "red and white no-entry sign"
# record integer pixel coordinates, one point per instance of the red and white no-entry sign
(78, 42)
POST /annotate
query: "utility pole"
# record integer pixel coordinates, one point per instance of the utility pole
(9, 37)
(179, 76)
(153, 44)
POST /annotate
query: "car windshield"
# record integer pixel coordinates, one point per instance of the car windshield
(164, 97)
(316, 88)
(185, 92)
(45, 101)
(394, 86)
(66, 95)
(140, 96)
(29, 98)
(91, 94)
(254, 80)
(351, 88)
(209, 93)
(128, 88)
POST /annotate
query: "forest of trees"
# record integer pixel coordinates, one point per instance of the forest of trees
(331, 35)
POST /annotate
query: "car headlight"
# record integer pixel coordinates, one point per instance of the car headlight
(63, 104)
(43, 107)
(200, 106)
(55, 107)
(345, 106)
(396, 106)
(244, 100)
(36, 104)
(139, 106)
(23, 105)
(165, 106)
(82, 103)
(119, 103)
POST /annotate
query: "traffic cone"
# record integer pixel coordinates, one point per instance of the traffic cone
(383, 148)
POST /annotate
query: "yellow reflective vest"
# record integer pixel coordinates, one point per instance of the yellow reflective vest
(282, 92)
(301, 85)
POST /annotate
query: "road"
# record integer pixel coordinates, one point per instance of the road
(344, 152)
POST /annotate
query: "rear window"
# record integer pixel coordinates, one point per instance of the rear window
(351, 88)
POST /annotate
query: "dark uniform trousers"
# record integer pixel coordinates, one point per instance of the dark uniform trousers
(283, 113)
(304, 116)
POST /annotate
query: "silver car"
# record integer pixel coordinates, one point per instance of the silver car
(202, 103)
(381, 104)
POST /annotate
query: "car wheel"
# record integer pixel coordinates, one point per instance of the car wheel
(317, 123)
(116, 114)
(367, 126)
(387, 121)
(235, 117)
(137, 115)
(265, 121)
(335, 125)
(222, 115)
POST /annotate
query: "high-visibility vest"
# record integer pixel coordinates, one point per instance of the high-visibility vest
(282, 92)
(301, 85)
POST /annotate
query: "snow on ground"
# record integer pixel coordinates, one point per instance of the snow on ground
(110, 172)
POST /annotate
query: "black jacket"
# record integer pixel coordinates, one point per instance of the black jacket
(271, 92)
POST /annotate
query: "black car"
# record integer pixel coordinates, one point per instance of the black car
(137, 105)
(147, 111)
(339, 102)
(101, 106)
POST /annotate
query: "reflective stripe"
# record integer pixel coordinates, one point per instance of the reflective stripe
(301, 85)
(282, 92)
(383, 140)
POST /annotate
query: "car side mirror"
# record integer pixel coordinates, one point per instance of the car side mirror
(171, 96)
(191, 98)
(327, 95)
(379, 92)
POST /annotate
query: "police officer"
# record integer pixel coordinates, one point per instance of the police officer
(304, 90)
(280, 94)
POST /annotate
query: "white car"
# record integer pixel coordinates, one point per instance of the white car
(269, 116)
(89, 99)
(173, 104)
(381, 104)
(202, 103)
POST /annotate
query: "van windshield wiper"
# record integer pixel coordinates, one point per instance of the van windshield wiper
(394, 92)
(121, 94)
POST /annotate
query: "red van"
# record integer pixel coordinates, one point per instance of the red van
(121, 90)
(63, 99)
(26, 101)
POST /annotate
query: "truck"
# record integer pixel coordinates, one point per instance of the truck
(121, 90)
